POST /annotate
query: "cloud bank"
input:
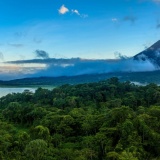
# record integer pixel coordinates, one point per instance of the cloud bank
(76, 66)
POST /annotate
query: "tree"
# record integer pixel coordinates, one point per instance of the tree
(36, 150)
(13, 112)
(41, 132)
(126, 155)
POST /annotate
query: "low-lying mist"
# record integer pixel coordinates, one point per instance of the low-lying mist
(76, 66)
(95, 66)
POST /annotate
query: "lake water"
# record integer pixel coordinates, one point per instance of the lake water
(5, 91)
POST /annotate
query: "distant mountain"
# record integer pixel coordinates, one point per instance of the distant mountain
(151, 54)
(140, 77)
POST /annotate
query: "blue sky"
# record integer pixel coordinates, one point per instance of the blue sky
(89, 29)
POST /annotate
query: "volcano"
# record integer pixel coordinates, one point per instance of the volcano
(151, 54)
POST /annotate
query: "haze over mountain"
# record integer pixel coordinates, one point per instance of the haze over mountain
(43, 65)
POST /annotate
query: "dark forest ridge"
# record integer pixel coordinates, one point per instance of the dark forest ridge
(141, 77)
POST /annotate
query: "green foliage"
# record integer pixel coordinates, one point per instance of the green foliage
(36, 150)
(108, 120)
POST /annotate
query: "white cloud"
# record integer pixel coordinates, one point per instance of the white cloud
(75, 11)
(63, 10)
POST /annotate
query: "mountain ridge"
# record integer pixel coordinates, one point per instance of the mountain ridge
(140, 77)
(151, 54)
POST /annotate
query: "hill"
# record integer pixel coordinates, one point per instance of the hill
(140, 77)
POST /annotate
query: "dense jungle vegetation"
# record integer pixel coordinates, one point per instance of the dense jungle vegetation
(106, 120)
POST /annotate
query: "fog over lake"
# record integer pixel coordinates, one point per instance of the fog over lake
(5, 91)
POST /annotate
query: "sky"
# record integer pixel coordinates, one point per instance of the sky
(86, 29)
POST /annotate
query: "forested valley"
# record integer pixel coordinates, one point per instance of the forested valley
(106, 120)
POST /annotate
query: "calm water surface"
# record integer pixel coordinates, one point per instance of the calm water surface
(5, 91)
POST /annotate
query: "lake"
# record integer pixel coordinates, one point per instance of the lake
(5, 91)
